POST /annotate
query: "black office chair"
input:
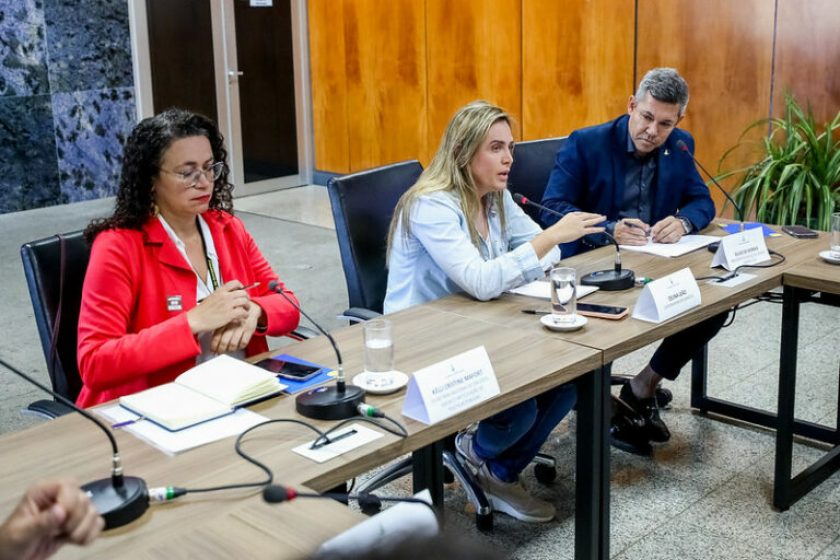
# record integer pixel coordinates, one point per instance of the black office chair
(532, 163)
(55, 272)
(362, 206)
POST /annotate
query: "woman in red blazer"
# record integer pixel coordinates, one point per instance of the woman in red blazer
(174, 278)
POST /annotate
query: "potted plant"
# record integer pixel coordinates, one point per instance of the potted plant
(797, 179)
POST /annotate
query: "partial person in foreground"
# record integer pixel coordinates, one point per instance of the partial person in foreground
(632, 170)
(458, 230)
(174, 277)
(50, 514)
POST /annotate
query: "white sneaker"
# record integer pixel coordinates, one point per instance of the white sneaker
(464, 447)
(513, 499)
(507, 497)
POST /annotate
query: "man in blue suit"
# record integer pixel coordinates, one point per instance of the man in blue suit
(632, 171)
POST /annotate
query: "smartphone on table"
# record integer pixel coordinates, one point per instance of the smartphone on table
(800, 232)
(602, 311)
(289, 370)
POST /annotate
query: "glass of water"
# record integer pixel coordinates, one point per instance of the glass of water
(379, 353)
(563, 297)
(835, 236)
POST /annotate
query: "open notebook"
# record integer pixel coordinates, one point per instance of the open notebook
(209, 390)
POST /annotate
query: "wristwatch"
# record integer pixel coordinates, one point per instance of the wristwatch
(685, 223)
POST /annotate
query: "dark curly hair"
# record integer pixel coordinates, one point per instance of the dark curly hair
(142, 157)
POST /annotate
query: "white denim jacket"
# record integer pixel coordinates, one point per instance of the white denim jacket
(438, 257)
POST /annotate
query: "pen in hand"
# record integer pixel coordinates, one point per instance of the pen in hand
(248, 287)
(636, 226)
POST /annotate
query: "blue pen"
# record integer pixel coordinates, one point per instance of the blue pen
(125, 423)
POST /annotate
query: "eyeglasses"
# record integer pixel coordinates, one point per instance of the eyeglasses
(190, 178)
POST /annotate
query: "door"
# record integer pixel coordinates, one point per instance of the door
(239, 62)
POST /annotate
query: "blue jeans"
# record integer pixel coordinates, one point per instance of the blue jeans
(508, 441)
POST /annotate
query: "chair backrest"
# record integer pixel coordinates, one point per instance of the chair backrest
(532, 163)
(362, 205)
(56, 293)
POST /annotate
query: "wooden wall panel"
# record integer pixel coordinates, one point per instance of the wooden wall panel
(577, 63)
(385, 50)
(327, 63)
(724, 51)
(474, 52)
(386, 76)
(808, 56)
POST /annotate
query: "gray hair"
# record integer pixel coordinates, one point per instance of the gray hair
(665, 85)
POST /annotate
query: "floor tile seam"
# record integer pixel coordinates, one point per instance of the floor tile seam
(704, 527)
(826, 547)
(651, 531)
(770, 456)
(807, 345)
(284, 220)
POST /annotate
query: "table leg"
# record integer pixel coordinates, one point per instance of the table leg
(699, 379)
(592, 492)
(427, 465)
(787, 396)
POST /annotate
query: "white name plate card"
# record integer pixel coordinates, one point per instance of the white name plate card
(743, 247)
(667, 297)
(451, 386)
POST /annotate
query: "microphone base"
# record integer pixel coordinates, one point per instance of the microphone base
(713, 247)
(121, 506)
(610, 280)
(326, 403)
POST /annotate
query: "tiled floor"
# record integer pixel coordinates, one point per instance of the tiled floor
(705, 495)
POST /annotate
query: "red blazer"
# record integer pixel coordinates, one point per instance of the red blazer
(132, 335)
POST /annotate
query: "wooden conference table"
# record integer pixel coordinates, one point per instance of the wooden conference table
(238, 523)
(812, 280)
(615, 339)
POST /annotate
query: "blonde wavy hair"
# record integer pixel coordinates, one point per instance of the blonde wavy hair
(450, 168)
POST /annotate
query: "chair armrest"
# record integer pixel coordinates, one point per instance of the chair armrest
(303, 333)
(47, 409)
(358, 314)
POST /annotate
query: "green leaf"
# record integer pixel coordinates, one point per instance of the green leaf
(797, 177)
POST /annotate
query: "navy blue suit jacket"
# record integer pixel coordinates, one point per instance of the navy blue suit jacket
(588, 175)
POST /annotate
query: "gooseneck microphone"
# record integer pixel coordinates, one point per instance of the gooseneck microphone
(119, 499)
(608, 280)
(738, 210)
(325, 403)
(275, 494)
(684, 148)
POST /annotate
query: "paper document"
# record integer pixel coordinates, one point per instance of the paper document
(344, 440)
(172, 443)
(686, 244)
(541, 289)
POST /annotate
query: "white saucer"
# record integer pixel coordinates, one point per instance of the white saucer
(396, 380)
(548, 322)
(826, 255)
